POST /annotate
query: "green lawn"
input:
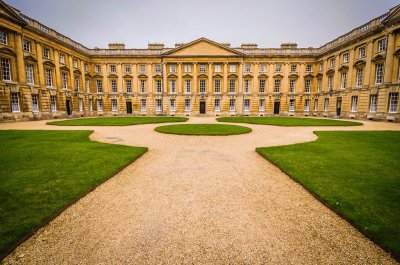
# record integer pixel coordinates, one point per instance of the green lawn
(43, 171)
(117, 121)
(356, 173)
(289, 121)
(203, 129)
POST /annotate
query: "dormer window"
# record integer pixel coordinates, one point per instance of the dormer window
(113, 69)
(46, 53)
(127, 68)
(3, 37)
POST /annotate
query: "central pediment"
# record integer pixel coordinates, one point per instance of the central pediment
(203, 47)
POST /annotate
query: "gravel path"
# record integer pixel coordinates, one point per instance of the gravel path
(204, 199)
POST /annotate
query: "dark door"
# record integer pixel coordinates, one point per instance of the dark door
(68, 106)
(339, 106)
(202, 107)
(277, 105)
(129, 107)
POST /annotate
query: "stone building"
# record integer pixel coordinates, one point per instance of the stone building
(45, 75)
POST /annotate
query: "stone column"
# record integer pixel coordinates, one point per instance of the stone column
(180, 86)
(389, 59)
(71, 73)
(195, 89)
(210, 79)
(57, 71)
(40, 64)
(120, 83)
(225, 78)
(20, 59)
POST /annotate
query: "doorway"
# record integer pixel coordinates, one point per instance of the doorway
(68, 106)
(277, 105)
(129, 107)
(202, 107)
(339, 107)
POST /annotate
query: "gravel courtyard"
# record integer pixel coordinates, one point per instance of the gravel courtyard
(197, 200)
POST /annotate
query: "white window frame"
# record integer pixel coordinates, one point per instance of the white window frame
(292, 103)
(27, 46)
(53, 103)
(362, 52)
(87, 85)
(35, 103)
(277, 86)
(75, 63)
(142, 86)
(354, 103)
(46, 53)
(246, 105)
(232, 104)
(62, 58)
(247, 68)
(261, 105)
(217, 86)
(113, 68)
(382, 45)
(187, 104)
(142, 68)
(49, 77)
(293, 68)
(345, 57)
(359, 77)
(326, 104)
(373, 103)
(3, 38)
(393, 102)
(80, 104)
(127, 68)
(263, 68)
(203, 68)
(187, 68)
(15, 102)
(262, 85)
(278, 67)
(232, 68)
(114, 105)
(379, 68)
(97, 68)
(217, 68)
(158, 105)
(246, 86)
(315, 104)
(90, 105)
(188, 86)
(143, 105)
(76, 79)
(202, 85)
(172, 68)
(99, 86)
(64, 80)
(292, 85)
(172, 86)
(158, 86)
(319, 85)
(30, 79)
(157, 68)
(114, 86)
(217, 104)
(330, 83)
(100, 105)
(6, 69)
(232, 85)
(308, 68)
(343, 80)
(172, 105)
(307, 105)
(128, 86)
(307, 86)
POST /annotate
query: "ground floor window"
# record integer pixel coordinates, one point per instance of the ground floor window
(307, 105)
(373, 103)
(14, 102)
(80, 105)
(143, 104)
(90, 104)
(262, 105)
(291, 105)
(393, 102)
(354, 102)
(187, 104)
(158, 105)
(315, 104)
(232, 105)
(35, 103)
(53, 103)
(326, 104)
(217, 104)
(99, 105)
(114, 105)
(172, 104)
(247, 105)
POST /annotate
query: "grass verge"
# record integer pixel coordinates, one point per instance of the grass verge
(355, 173)
(116, 121)
(203, 129)
(289, 121)
(44, 171)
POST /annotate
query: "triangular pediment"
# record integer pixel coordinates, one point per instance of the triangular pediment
(393, 17)
(203, 47)
(10, 13)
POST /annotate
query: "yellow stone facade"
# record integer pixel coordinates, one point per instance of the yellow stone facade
(45, 74)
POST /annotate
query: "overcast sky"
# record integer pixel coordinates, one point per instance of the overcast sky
(310, 23)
